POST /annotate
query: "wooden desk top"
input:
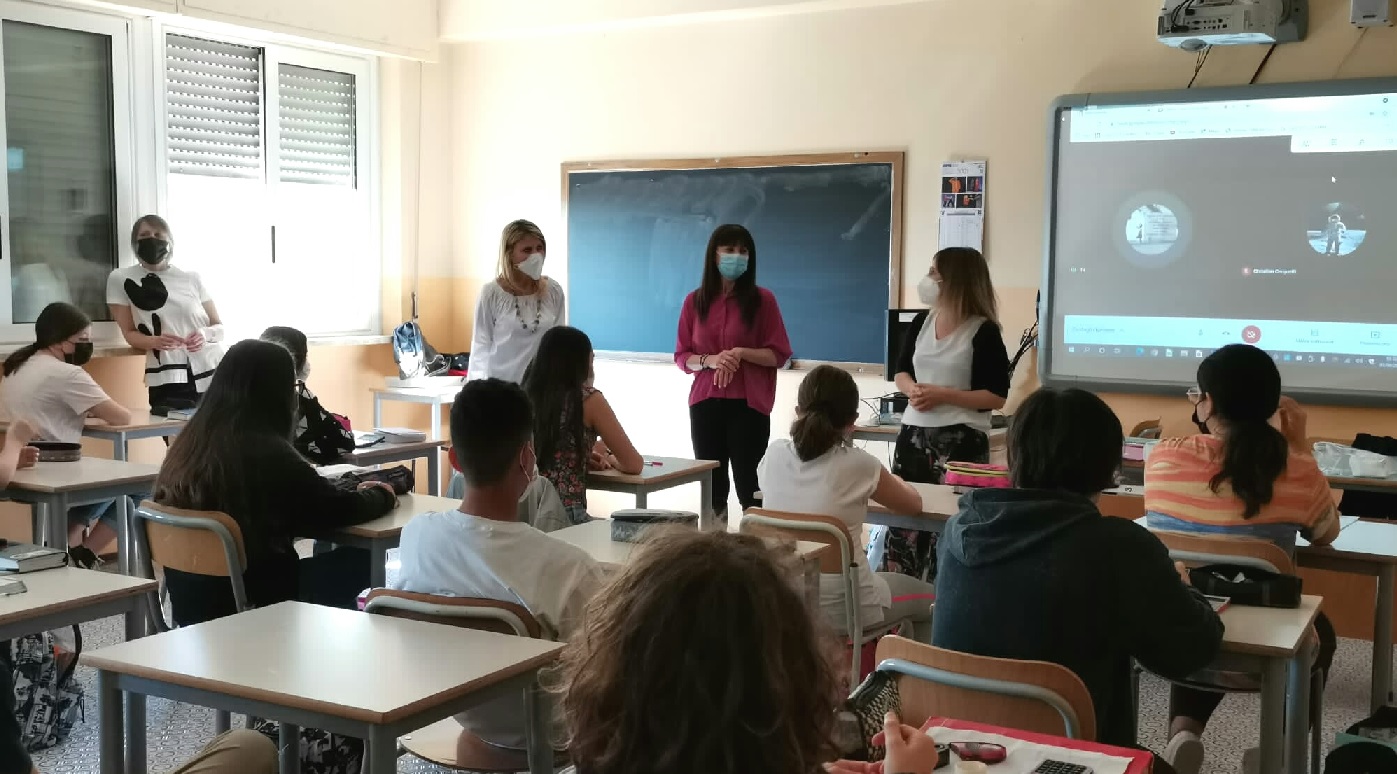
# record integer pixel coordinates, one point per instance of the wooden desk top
(86, 473)
(1360, 482)
(669, 469)
(1374, 541)
(141, 420)
(369, 452)
(344, 663)
(64, 588)
(939, 502)
(595, 538)
(1268, 631)
(391, 524)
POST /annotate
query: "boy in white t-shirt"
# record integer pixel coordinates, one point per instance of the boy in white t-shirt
(482, 550)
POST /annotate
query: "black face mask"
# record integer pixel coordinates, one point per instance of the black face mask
(82, 352)
(152, 250)
(1202, 426)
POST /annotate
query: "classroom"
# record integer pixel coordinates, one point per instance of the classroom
(507, 175)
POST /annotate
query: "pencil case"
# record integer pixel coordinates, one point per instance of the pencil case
(977, 475)
(629, 526)
(52, 451)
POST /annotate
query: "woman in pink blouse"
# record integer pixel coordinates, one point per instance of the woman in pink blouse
(732, 339)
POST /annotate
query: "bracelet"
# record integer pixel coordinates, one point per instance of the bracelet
(703, 362)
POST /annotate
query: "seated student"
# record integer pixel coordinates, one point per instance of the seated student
(1242, 476)
(480, 550)
(319, 435)
(236, 457)
(709, 627)
(818, 471)
(45, 384)
(569, 414)
(1037, 572)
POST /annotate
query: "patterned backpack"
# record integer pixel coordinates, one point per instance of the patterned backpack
(48, 698)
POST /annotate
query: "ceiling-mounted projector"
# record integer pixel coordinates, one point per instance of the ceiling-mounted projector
(1193, 25)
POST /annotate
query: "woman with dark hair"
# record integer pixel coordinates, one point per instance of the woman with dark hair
(46, 386)
(819, 471)
(166, 312)
(569, 415)
(236, 457)
(319, 436)
(710, 627)
(1240, 476)
(733, 340)
(954, 370)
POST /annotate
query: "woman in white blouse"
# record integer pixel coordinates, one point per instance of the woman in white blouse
(516, 309)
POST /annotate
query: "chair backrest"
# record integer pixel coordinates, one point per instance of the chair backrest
(1028, 695)
(1194, 549)
(1150, 428)
(489, 615)
(199, 542)
(810, 527)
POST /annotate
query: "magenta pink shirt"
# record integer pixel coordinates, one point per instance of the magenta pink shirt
(724, 329)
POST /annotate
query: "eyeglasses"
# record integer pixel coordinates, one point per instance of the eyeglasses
(1194, 394)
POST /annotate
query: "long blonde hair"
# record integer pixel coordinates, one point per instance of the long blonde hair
(517, 231)
(965, 283)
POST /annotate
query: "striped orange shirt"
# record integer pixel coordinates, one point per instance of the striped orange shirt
(1178, 495)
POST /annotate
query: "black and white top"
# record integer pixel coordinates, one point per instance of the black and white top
(971, 357)
(168, 301)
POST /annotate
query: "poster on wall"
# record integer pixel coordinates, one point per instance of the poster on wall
(963, 204)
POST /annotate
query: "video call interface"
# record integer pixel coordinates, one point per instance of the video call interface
(1183, 227)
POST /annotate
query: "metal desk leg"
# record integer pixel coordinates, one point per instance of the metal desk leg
(123, 535)
(289, 747)
(383, 751)
(1297, 710)
(434, 472)
(706, 514)
(642, 498)
(378, 411)
(109, 701)
(540, 730)
(39, 517)
(135, 733)
(1273, 685)
(58, 522)
(120, 447)
(1382, 638)
(378, 564)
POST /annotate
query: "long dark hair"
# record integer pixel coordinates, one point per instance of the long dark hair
(57, 323)
(709, 625)
(744, 288)
(250, 405)
(553, 382)
(828, 403)
(1245, 387)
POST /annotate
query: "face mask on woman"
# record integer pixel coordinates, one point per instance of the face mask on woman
(732, 265)
(82, 352)
(929, 291)
(152, 250)
(532, 266)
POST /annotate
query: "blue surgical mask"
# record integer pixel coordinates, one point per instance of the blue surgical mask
(732, 265)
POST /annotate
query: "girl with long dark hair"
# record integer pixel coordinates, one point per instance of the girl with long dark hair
(236, 457)
(46, 386)
(569, 416)
(733, 340)
(1250, 472)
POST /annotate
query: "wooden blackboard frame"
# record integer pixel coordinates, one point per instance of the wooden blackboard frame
(897, 160)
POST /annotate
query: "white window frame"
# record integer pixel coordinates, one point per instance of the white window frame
(125, 129)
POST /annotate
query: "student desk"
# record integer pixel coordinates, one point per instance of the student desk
(383, 533)
(65, 596)
(660, 473)
(143, 425)
(939, 504)
(367, 676)
(1140, 761)
(435, 396)
(54, 487)
(595, 538)
(385, 453)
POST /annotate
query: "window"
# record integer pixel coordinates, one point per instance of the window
(266, 188)
(65, 125)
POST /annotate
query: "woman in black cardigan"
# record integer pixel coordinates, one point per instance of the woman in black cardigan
(236, 457)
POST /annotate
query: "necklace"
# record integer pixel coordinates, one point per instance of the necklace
(538, 315)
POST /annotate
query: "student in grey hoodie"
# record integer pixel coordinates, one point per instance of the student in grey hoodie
(1037, 572)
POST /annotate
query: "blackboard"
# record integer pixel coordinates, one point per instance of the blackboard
(827, 229)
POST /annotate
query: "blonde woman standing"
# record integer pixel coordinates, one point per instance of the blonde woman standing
(516, 309)
(954, 370)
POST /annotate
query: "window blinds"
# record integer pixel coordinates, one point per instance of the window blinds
(214, 108)
(316, 117)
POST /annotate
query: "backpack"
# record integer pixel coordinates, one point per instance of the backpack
(412, 353)
(48, 697)
(321, 751)
(321, 436)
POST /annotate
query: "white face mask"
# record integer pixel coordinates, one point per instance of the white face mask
(532, 266)
(929, 291)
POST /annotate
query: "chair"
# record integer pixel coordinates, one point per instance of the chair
(1194, 549)
(446, 743)
(1032, 696)
(198, 542)
(841, 561)
(1150, 428)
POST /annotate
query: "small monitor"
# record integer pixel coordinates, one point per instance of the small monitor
(899, 324)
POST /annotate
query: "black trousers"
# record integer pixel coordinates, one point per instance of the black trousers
(734, 434)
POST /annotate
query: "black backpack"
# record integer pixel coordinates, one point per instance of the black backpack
(321, 437)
